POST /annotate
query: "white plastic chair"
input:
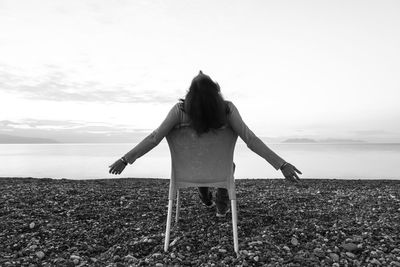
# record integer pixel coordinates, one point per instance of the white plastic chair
(205, 160)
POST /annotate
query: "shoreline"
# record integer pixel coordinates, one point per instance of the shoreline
(167, 178)
(121, 222)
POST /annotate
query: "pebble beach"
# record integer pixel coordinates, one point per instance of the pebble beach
(121, 222)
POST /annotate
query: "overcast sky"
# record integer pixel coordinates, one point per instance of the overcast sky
(315, 69)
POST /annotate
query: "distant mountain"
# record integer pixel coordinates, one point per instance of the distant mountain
(338, 140)
(328, 140)
(12, 139)
(299, 140)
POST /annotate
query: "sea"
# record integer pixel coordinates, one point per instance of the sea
(91, 161)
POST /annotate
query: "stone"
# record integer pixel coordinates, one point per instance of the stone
(75, 259)
(350, 246)
(319, 252)
(40, 254)
(350, 255)
(221, 250)
(253, 243)
(294, 241)
(32, 225)
(375, 261)
(334, 257)
(373, 254)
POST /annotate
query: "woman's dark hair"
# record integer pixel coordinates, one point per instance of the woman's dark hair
(205, 105)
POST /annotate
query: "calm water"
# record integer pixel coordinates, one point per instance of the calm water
(91, 161)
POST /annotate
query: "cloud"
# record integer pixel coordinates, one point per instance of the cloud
(56, 86)
(66, 125)
(72, 131)
(371, 132)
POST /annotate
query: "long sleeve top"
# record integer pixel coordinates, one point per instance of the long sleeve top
(177, 116)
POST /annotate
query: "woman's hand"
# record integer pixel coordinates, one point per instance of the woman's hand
(289, 171)
(117, 167)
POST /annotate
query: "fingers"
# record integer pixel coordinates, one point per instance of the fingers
(297, 170)
(116, 168)
(296, 176)
(115, 171)
(291, 176)
(294, 179)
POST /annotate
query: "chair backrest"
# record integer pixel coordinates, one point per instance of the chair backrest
(205, 160)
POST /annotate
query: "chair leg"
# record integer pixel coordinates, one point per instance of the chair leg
(168, 228)
(234, 226)
(178, 206)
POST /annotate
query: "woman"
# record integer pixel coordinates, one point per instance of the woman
(204, 109)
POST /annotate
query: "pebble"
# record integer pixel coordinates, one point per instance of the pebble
(256, 258)
(294, 241)
(395, 263)
(334, 257)
(349, 246)
(350, 255)
(286, 248)
(255, 243)
(75, 259)
(375, 261)
(174, 242)
(373, 254)
(319, 252)
(130, 259)
(117, 258)
(40, 254)
(222, 250)
(159, 264)
(32, 225)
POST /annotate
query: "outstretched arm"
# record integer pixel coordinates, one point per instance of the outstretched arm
(147, 143)
(258, 146)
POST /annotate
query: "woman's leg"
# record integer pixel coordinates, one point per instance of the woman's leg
(205, 196)
(222, 200)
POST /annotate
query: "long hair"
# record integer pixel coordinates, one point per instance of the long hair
(205, 105)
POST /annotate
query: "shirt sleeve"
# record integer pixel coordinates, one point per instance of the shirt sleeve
(152, 140)
(251, 140)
